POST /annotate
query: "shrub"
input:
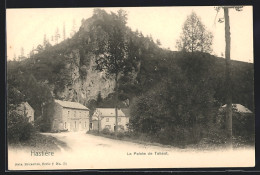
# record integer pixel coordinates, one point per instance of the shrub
(92, 132)
(42, 124)
(18, 128)
(112, 133)
(242, 126)
(120, 135)
(215, 136)
(128, 134)
(177, 136)
(105, 131)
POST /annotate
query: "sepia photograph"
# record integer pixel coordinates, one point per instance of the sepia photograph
(130, 87)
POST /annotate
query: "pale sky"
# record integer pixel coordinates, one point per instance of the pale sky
(26, 27)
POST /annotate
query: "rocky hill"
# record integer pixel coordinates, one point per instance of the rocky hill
(68, 69)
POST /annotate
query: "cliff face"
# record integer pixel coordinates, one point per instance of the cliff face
(77, 78)
(68, 69)
(85, 82)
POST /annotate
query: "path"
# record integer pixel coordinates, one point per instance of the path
(94, 152)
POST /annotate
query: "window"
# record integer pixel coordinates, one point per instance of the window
(75, 124)
(68, 113)
(119, 119)
(75, 113)
(107, 119)
(65, 125)
(85, 124)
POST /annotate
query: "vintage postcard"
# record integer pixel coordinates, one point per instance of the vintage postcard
(139, 87)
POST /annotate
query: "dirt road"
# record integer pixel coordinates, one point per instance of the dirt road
(94, 152)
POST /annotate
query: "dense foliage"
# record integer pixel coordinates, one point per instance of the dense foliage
(181, 105)
(18, 128)
(176, 109)
(23, 87)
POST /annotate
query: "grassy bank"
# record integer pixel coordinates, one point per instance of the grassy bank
(39, 142)
(204, 144)
(140, 138)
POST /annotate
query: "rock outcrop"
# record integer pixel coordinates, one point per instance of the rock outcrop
(86, 82)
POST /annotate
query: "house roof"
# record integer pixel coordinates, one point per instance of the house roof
(239, 108)
(24, 106)
(28, 105)
(126, 111)
(69, 104)
(110, 112)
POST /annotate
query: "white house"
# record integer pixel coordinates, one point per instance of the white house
(26, 110)
(70, 116)
(106, 118)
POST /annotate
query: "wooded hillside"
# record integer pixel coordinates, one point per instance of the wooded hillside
(162, 86)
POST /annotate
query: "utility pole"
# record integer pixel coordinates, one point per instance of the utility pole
(116, 106)
(228, 78)
(98, 123)
(228, 71)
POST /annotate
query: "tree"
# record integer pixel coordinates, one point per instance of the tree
(99, 99)
(23, 86)
(31, 54)
(57, 36)
(22, 57)
(64, 31)
(45, 41)
(194, 36)
(111, 49)
(14, 58)
(158, 42)
(177, 110)
(22, 51)
(39, 48)
(18, 128)
(73, 29)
